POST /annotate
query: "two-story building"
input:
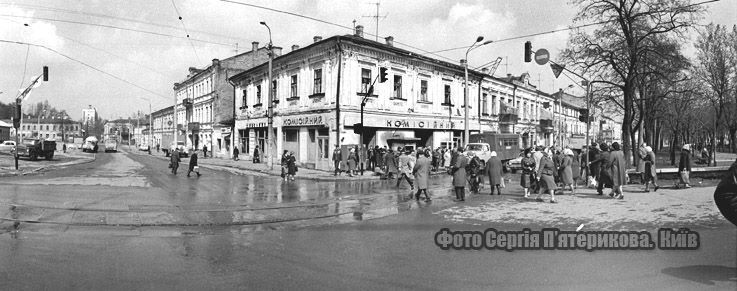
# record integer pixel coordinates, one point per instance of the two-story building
(204, 103)
(50, 128)
(319, 90)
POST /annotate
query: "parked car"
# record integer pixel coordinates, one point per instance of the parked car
(143, 147)
(184, 150)
(516, 163)
(34, 148)
(111, 146)
(7, 146)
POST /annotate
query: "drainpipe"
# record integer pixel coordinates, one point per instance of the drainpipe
(337, 94)
(232, 130)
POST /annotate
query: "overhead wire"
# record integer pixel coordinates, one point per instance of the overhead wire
(181, 20)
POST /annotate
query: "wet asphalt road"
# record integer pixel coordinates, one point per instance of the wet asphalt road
(340, 249)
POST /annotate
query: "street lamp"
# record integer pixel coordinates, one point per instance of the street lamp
(560, 115)
(465, 85)
(269, 138)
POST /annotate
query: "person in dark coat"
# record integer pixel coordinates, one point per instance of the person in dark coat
(390, 164)
(473, 170)
(566, 170)
(284, 161)
(193, 163)
(336, 159)
(651, 174)
(256, 155)
(604, 179)
(528, 172)
(684, 166)
(594, 165)
(494, 172)
(725, 195)
(459, 175)
(236, 152)
(352, 161)
(292, 166)
(204, 150)
(421, 171)
(618, 168)
(174, 161)
(576, 169)
(545, 173)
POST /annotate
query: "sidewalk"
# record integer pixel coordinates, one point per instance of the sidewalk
(263, 169)
(26, 167)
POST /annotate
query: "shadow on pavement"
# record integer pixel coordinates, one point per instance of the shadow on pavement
(704, 274)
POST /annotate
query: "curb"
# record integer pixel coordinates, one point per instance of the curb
(34, 171)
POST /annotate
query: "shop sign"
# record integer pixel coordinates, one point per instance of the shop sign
(415, 123)
(307, 120)
(256, 123)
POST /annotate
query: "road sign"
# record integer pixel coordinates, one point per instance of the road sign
(557, 69)
(542, 56)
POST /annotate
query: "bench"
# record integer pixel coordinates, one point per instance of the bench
(672, 173)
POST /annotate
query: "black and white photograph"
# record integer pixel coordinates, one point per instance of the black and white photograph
(368, 145)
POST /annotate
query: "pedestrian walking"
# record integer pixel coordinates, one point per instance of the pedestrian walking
(370, 154)
(651, 176)
(494, 172)
(528, 172)
(337, 158)
(193, 165)
(641, 154)
(284, 166)
(256, 155)
(545, 173)
(446, 159)
(474, 172)
(566, 171)
(604, 178)
(405, 169)
(575, 169)
(235, 153)
(174, 161)
(291, 166)
(158, 147)
(204, 150)
(684, 166)
(352, 161)
(390, 164)
(725, 195)
(593, 165)
(459, 175)
(618, 168)
(421, 171)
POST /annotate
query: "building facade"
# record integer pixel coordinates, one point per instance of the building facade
(50, 128)
(319, 91)
(204, 104)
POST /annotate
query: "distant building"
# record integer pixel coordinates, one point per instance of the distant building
(5, 127)
(50, 128)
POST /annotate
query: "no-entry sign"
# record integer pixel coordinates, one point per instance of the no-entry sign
(542, 56)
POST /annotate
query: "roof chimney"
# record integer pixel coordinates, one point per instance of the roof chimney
(255, 46)
(276, 50)
(317, 38)
(215, 62)
(359, 31)
(509, 77)
(295, 47)
(389, 40)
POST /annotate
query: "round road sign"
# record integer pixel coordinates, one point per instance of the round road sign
(169, 123)
(542, 56)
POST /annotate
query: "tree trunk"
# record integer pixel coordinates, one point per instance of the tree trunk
(674, 140)
(732, 131)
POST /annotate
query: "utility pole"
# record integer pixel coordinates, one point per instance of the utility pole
(376, 17)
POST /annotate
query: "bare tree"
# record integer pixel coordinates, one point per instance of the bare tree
(613, 53)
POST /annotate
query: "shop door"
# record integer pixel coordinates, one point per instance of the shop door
(291, 142)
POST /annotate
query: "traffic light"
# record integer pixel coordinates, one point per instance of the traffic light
(583, 115)
(46, 73)
(528, 52)
(382, 75)
(17, 117)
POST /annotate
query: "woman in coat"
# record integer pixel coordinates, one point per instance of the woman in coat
(604, 179)
(566, 172)
(575, 169)
(390, 164)
(617, 168)
(494, 171)
(684, 165)
(193, 163)
(528, 172)
(421, 171)
(284, 160)
(650, 174)
(725, 195)
(291, 166)
(545, 176)
(352, 161)
(446, 159)
(459, 175)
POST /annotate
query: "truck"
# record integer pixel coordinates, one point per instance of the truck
(34, 148)
(167, 144)
(90, 145)
(506, 146)
(111, 143)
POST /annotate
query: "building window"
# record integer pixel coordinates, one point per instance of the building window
(317, 84)
(484, 104)
(291, 135)
(397, 87)
(258, 94)
(245, 98)
(447, 94)
(365, 80)
(423, 90)
(293, 86)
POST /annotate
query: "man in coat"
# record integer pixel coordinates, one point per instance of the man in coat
(256, 155)
(405, 169)
(390, 164)
(684, 165)
(618, 168)
(459, 175)
(494, 171)
(204, 150)
(421, 171)
(336, 160)
(604, 178)
(193, 163)
(174, 161)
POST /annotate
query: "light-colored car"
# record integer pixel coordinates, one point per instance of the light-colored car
(143, 147)
(516, 164)
(7, 146)
(111, 146)
(184, 150)
(481, 150)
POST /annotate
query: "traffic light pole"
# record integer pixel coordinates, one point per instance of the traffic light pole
(18, 112)
(369, 92)
(588, 126)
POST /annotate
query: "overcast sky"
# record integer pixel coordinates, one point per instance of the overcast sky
(152, 52)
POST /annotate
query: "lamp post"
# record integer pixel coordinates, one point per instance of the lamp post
(560, 115)
(269, 138)
(465, 85)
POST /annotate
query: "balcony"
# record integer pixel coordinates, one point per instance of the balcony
(546, 125)
(508, 118)
(187, 102)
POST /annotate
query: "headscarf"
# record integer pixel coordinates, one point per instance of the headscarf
(648, 149)
(493, 153)
(687, 147)
(568, 152)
